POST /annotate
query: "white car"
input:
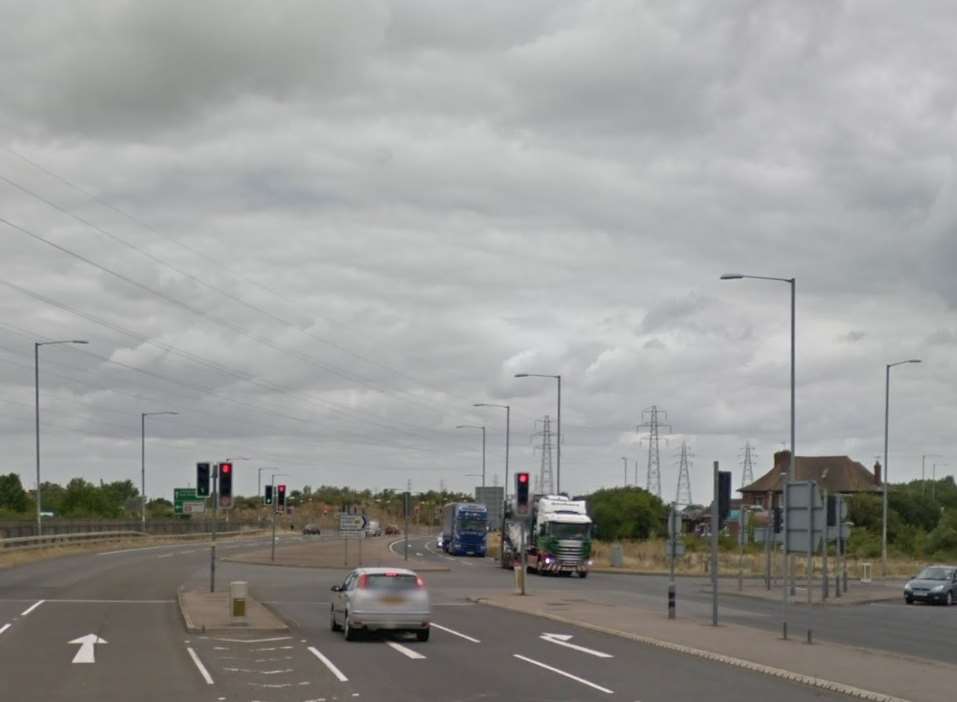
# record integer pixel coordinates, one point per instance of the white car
(381, 599)
(439, 542)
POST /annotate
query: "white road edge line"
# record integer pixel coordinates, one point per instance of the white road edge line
(329, 664)
(31, 608)
(199, 664)
(550, 638)
(455, 633)
(5, 627)
(414, 655)
(567, 675)
(134, 550)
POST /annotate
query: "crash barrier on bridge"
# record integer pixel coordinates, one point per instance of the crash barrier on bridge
(16, 528)
(48, 540)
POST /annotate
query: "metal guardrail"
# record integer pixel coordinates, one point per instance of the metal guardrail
(48, 540)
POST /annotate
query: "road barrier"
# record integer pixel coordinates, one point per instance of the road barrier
(50, 540)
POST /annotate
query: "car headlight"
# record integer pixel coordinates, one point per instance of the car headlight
(907, 587)
(939, 588)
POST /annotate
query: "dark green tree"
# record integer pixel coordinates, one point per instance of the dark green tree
(12, 495)
(626, 513)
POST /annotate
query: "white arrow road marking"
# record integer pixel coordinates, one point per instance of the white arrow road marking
(567, 675)
(199, 665)
(414, 655)
(329, 664)
(562, 640)
(85, 654)
(31, 608)
(455, 633)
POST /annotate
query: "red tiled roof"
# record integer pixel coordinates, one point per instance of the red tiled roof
(833, 473)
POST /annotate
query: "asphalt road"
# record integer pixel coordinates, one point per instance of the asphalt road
(127, 600)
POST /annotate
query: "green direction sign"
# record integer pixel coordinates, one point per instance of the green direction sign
(183, 496)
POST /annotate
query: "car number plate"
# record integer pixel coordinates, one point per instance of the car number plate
(393, 599)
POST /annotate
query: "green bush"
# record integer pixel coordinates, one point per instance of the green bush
(626, 513)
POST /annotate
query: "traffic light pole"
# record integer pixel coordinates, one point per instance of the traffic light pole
(212, 549)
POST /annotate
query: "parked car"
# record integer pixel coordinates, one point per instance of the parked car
(381, 599)
(310, 529)
(392, 530)
(935, 584)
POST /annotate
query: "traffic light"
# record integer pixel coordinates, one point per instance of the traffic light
(281, 496)
(724, 495)
(225, 485)
(521, 494)
(202, 480)
(267, 498)
(778, 515)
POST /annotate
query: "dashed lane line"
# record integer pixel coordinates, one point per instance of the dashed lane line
(199, 665)
(455, 633)
(567, 675)
(329, 664)
(31, 608)
(5, 627)
(405, 651)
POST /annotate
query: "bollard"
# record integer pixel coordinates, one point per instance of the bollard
(810, 636)
(671, 601)
(784, 631)
(837, 585)
(237, 599)
(519, 580)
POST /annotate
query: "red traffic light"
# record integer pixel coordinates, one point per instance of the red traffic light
(281, 488)
(523, 477)
(225, 467)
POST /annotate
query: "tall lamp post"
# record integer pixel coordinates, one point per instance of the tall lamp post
(887, 407)
(558, 437)
(476, 426)
(625, 461)
(143, 416)
(36, 394)
(790, 476)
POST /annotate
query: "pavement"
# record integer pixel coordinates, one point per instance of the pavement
(107, 627)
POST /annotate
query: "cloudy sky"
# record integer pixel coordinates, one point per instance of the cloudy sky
(321, 231)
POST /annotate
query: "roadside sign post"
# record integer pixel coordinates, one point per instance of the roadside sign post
(675, 549)
(408, 501)
(768, 530)
(714, 548)
(212, 548)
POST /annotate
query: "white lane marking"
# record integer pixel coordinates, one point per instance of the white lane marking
(31, 608)
(167, 555)
(455, 633)
(133, 550)
(419, 554)
(260, 672)
(109, 601)
(562, 640)
(5, 627)
(87, 644)
(467, 563)
(199, 664)
(414, 655)
(567, 675)
(329, 664)
(274, 638)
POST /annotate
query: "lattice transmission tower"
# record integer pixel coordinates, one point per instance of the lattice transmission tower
(654, 420)
(683, 496)
(545, 479)
(747, 464)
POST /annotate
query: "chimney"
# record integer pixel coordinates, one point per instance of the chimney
(782, 458)
(877, 472)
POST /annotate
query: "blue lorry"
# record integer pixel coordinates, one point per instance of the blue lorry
(464, 528)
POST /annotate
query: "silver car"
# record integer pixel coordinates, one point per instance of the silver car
(381, 599)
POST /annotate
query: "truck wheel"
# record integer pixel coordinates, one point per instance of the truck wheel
(422, 634)
(583, 574)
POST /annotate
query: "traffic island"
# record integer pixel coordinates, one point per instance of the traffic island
(340, 554)
(209, 612)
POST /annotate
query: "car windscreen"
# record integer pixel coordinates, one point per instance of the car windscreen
(569, 531)
(472, 522)
(935, 574)
(397, 582)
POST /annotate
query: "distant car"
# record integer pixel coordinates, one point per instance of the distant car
(381, 599)
(439, 542)
(392, 530)
(373, 528)
(935, 584)
(310, 529)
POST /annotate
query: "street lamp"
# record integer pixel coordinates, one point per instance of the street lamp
(143, 416)
(790, 477)
(558, 438)
(625, 461)
(36, 393)
(508, 423)
(476, 426)
(887, 406)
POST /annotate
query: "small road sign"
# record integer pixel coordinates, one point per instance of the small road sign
(183, 496)
(194, 507)
(352, 522)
